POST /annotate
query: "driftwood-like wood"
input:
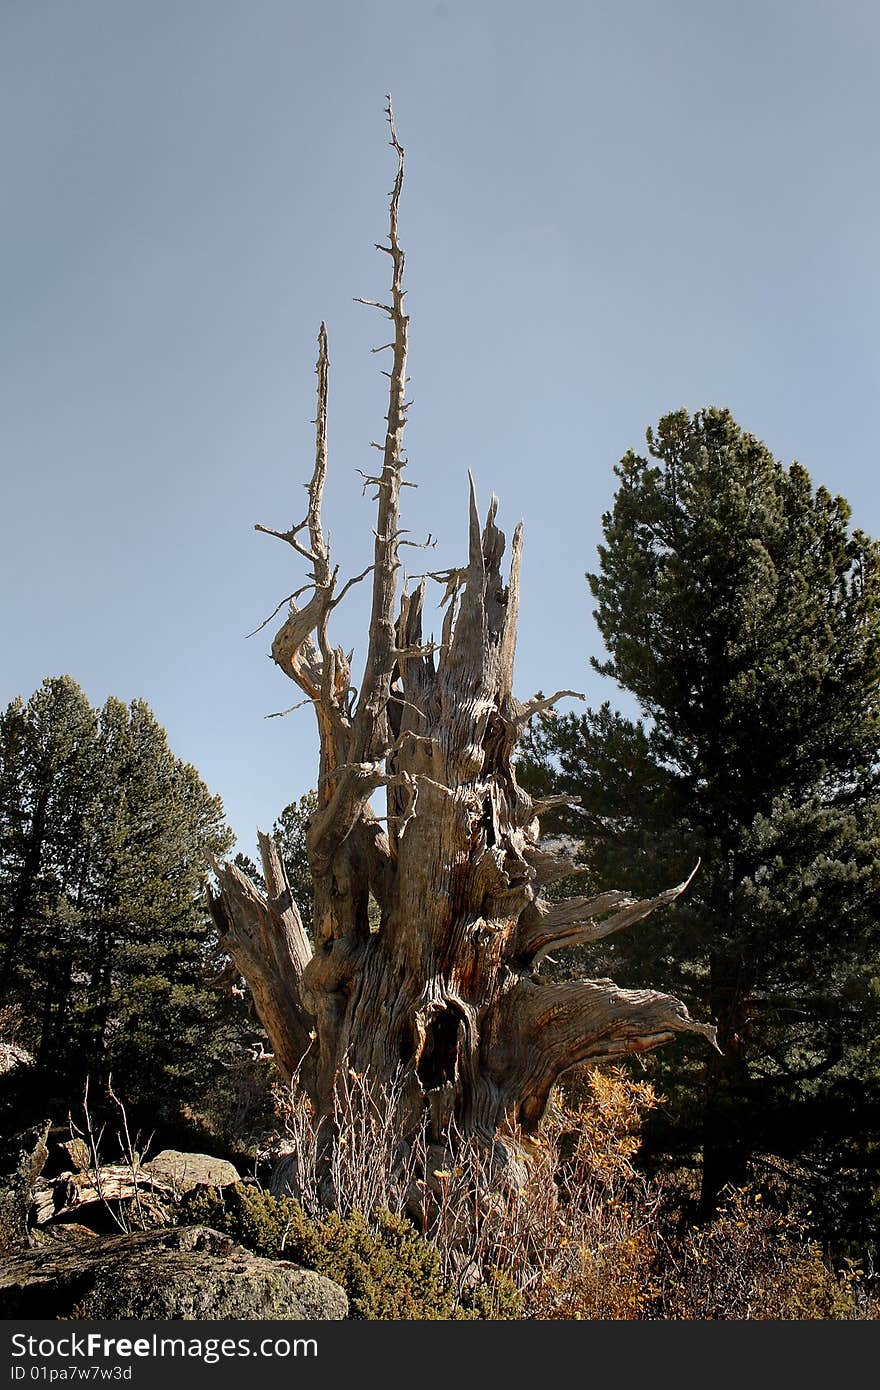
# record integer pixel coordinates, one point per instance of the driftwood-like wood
(444, 996)
(113, 1182)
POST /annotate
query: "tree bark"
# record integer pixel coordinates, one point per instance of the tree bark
(444, 999)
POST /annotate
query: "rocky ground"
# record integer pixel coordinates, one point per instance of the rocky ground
(57, 1259)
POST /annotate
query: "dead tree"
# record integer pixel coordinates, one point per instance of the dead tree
(444, 999)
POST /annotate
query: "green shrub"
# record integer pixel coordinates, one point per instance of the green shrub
(496, 1297)
(387, 1269)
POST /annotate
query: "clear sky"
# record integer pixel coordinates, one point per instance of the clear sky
(612, 210)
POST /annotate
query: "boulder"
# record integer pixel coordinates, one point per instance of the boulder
(181, 1172)
(188, 1273)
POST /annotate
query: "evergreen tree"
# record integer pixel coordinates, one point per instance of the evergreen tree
(743, 614)
(105, 942)
(47, 757)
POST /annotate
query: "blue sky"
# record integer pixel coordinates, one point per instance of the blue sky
(612, 210)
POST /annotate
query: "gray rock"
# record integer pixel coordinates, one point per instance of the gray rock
(182, 1171)
(186, 1273)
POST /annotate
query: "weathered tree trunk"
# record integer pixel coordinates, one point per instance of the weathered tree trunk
(444, 999)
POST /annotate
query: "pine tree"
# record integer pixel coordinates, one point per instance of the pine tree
(105, 942)
(743, 614)
(47, 761)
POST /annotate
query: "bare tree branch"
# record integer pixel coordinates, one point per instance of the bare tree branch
(289, 598)
(350, 583)
(266, 941)
(541, 705)
(575, 921)
(374, 304)
(370, 716)
(280, 713)
(541, 1030)
(289, 536)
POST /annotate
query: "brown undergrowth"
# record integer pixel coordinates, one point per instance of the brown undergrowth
(569, 1230)
(574, 1231)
